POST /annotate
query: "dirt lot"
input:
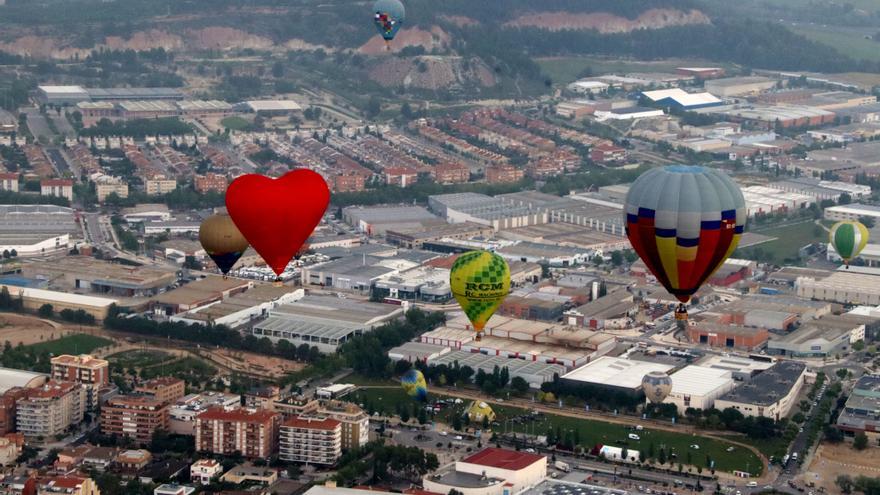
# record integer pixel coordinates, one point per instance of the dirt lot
(833, 460)
(28, 329)
(254, 363)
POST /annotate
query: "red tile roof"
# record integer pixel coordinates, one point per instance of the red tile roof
(64, 481)
(8, 176)
(311, 423)
(503, 459)
(56, 182)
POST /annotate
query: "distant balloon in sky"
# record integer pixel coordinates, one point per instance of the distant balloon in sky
(222, 241)
(656, 386)
(480, 281)
(848, 238)
(684, 221)
(277, 216)
(388, 16)
(413, 382)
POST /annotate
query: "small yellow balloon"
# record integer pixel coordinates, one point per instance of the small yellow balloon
(480, 281)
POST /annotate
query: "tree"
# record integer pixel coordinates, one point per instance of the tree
(842, 373)
(519, 384)
(860, 442)
(616, 258)
(845, 199)
(45, 311)
(832, 434)
(845, 483)
(661, 457)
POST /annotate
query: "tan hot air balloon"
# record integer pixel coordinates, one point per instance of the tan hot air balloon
(656, 386)
(222, 241)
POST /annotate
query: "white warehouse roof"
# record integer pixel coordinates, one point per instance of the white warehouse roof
(61, 89)
(616, 372)
(682, 97)
(273, 105)
(699, 380)
(10, 378)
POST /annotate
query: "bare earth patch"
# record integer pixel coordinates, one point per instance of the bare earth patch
(28, 329)
(831, 461)
(254, 364)
(610, 23)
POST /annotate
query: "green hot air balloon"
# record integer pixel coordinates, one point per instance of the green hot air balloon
(222, 241)
(480, 281)
(848, 238)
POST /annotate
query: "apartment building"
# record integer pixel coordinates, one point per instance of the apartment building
(135, 416)
(251, 432)
(51, 409)
(93, 373)
(311, 440)
(9, 182)
(63, 188)
(354, 420)
(159, 185)
(164, 389)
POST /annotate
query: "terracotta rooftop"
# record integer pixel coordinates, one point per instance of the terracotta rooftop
(503, 459)
(311, 423)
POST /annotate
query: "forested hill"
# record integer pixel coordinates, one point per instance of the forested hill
(505, 34)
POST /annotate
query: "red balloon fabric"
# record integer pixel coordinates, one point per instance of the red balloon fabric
(277, 216)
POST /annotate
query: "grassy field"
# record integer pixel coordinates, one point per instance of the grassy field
(775, 447)
(848, 41)
(138, 358)
(235, 123)
(789, 239)
(590, 432)
(73, 344)
(564, 70)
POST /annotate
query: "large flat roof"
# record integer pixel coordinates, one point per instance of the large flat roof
(61, 297)
(478, 360)
(769, 386)
(616, 372)
(699, 380)
(10, 378)
(503, 459)
(335, 310)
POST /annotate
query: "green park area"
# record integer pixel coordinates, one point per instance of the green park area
(677, 447)
(235, 123)
(786, 243)
(138, 358)
(72, 344)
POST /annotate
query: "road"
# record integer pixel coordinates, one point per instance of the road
(58, 159)
(37, 123)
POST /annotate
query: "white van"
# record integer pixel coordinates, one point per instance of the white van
(752, 484)
(633, 436)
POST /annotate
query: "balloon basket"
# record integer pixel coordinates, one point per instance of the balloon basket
(681, 313)
(478, 337)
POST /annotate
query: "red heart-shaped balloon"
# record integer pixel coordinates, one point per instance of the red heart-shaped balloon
(276, 216)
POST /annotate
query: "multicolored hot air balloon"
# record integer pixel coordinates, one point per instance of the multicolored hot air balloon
(413, 382)
(388, 16)
(848, 238)
(656, 386)
(222, 241)
(683, 222)
(480, 281)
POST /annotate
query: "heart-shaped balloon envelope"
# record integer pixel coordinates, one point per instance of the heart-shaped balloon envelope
(277, 216)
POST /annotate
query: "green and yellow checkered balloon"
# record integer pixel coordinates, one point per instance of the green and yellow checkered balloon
(480, 281)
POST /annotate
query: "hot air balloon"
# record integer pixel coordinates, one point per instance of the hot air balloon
(480, 281)
(388, 16)
(222, 241)
(277, 216)
(683, 222)
(413, 382)
(848, 238)
(656, 386)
